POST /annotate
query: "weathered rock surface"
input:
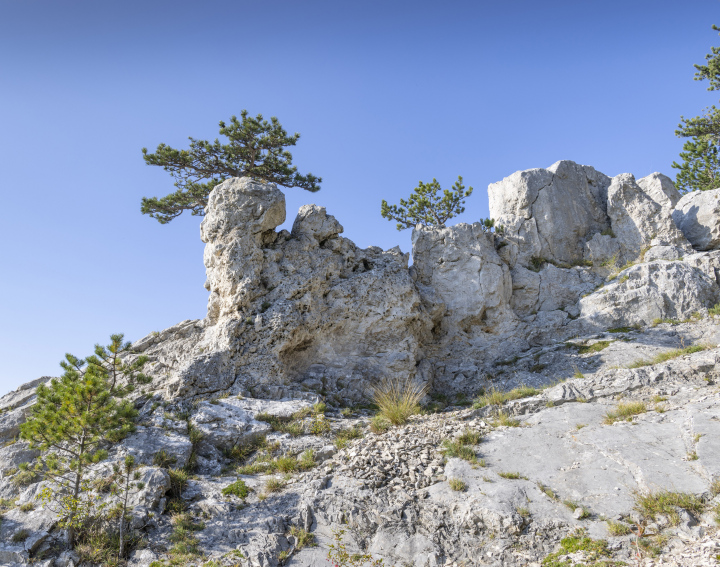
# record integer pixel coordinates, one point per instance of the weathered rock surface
(594, 287)
(697, 215)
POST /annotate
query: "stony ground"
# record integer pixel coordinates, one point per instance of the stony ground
(545, 479)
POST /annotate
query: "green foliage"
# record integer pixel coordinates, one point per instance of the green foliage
(625, 411)
(237, 488)
(495, 397)
(592, 549)
(256, 149)
(343, 436)
(457, 485)
(618, 528)
(512, 476)
(590, 349)
(700, 167)
(458, 450)
(302, 538)
(73, 416)
(426, 206)
(340, 557)
(669, 355)
(163, 460)
(126, 481)
(664, 502)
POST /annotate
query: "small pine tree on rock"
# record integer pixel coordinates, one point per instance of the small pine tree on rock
(428, 204)
(72, 420)
(256, 149)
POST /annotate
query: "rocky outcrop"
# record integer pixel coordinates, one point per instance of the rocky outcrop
(697, 215)
(596, 285)
(291, 313)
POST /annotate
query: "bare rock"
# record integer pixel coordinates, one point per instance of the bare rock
(697, 215)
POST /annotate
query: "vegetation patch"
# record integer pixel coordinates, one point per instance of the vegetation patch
(625, 411)
(512, 476)
(664, 502)
(237, 488)
(398, 400)
(343, 436)
(495, 397)
(669, 355)
(593, 551)
(589, 349)
(618, 528)
(457, 485)
(458, 450)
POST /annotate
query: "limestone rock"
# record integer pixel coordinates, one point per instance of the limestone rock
(660, 189)
(554, 210)
(638, 222)
(225, 426)
(697, 215)
(646, 292)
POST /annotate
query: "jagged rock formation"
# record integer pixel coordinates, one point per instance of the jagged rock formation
(591, 275)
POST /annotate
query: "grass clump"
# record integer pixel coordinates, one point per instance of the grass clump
(186, 545)
(398, 400)
(273, 485)
(458, 450)
(20, 536)
(283, 424)
(664, 502)
(625, 411)
(495, 397)
(504, 420)
(457, 485)
(669, 355)
(589, 349)
(302, 538)
(618, 529)
(512, 476)
(379, 425)
(524, 512)
(469, 437)
(547, 491)
(319, 425)
(27, 507)
(163, 460)
(714, 310)
(343, 436)
(593, 550)
(237, 488)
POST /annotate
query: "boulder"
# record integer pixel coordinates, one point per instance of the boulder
(697, 215)
(550, 213)
(638, 222)
(224, 425)
(645, 292)
(660, 189)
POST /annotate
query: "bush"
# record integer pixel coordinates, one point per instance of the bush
(163, 460)
(237, 488)
(457, 485)
(397, 400)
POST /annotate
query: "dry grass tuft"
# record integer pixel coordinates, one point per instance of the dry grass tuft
(398, 400)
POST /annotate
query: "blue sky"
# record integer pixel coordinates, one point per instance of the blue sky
(384, 93)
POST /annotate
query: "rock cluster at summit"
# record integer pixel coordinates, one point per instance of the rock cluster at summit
(589, 276)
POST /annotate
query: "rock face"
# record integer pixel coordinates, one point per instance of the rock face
(697, 215)
(301, 311)
(595, 284)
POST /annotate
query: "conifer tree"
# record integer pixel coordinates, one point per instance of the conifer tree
(700, 167)
(427, 206)
(256, 149)
(73, 418)
(125, 481)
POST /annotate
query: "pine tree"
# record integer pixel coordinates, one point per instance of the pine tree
(700, 167)
(125, 481)
(426, 206)
(256, 150)
(72, 420)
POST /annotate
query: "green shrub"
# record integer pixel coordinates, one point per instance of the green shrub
(20, 536)
(27, 507)
(178, 481)
(378, 424)
(319, 425)
(273, 485)
(458, 450)
(237, 488)
(344, 435)
(457, 485)
(512, 475)
(302, 538)
(618, 528)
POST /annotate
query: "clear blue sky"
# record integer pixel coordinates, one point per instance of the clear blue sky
(384, 93)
